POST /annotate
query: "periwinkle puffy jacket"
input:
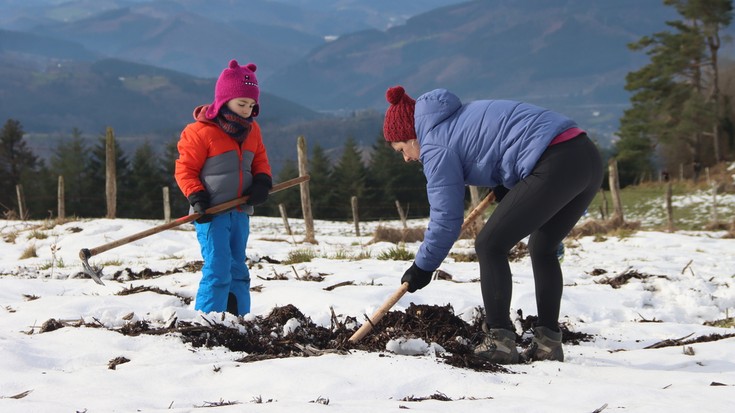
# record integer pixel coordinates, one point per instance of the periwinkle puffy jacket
(209, 159)
(483, 143)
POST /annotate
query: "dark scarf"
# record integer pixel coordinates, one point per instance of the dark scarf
(233, 124)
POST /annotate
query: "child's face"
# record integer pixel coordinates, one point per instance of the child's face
(241, 106)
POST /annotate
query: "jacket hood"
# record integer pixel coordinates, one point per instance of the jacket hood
(433, 108)
(200, 113)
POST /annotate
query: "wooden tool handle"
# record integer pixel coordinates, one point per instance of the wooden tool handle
(379, 313)
(393, 299)
(88, 253)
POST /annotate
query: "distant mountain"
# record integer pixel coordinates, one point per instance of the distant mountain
(165, 34)
(53, 94)
(29, 44)
(196, 37)
(51, 91)
(567, 54)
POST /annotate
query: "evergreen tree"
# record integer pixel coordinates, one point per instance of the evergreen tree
(390, 179)
(348, 180)
(17, 162)
(290, 198)
(43, 185)
(146, 181)
(69, 160)
(673, 103)
(179, 203)
(320, 185)
(709, 17)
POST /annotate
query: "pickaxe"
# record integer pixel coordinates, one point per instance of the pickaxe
(94, 272)
(403, 289)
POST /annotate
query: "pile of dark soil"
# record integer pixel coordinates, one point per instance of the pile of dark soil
(268, 337)
(287, 332)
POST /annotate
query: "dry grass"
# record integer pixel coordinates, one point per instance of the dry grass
(397, 236)
(29, 252)
(596, 227)
(731, 231)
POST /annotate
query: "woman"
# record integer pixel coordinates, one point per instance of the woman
(550, 170)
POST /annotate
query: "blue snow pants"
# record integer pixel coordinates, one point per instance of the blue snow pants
(222, 242)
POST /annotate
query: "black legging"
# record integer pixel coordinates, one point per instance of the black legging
(546, 204)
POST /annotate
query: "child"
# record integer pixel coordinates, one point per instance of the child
(222, 157)
(551, 170)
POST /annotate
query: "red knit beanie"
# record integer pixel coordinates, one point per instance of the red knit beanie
(235, 82)
(398, 124)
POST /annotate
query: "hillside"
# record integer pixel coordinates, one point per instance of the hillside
(53, 95)
(195, 37)
(569, 55)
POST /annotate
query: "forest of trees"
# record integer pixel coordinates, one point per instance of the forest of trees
(377, 183)
(681, 113)
(681, 106)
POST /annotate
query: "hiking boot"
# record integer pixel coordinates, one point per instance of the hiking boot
(498, 346)
(232, 304)
(545, 345)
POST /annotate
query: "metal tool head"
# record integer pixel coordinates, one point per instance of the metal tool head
(94, 272)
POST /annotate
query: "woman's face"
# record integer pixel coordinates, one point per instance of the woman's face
(242, 106)
(409, 149)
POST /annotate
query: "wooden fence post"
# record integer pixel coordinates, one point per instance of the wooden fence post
(604, 206)
(617, 216)
(355, 217)
(22, 213)
(110, 174)
(60, 202)
(715, 218)
(401, 215)
(284, 216)
(669, 208)
(166, 205)
(305, 197)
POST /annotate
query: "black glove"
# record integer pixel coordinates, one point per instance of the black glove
(500, 192)
(199, 203)
(258, 191)
(416, 278)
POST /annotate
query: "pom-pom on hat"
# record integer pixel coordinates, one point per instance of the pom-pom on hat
(235, 82)
(399, 122)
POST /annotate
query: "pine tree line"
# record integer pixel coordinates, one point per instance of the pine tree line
(378, 182)
(682, 113)
(679, 114)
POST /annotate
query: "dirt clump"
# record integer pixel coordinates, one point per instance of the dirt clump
(287, 332)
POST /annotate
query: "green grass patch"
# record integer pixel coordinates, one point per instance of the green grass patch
(646, 203)
(399, 253)
(300, 255)
(58, 263)
(343, 254)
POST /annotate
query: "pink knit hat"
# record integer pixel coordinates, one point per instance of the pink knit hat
(398, 125)
(235, 82)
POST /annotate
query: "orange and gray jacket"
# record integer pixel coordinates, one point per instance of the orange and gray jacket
(212, 161)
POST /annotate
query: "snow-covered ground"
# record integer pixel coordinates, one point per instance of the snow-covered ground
(690, 280)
